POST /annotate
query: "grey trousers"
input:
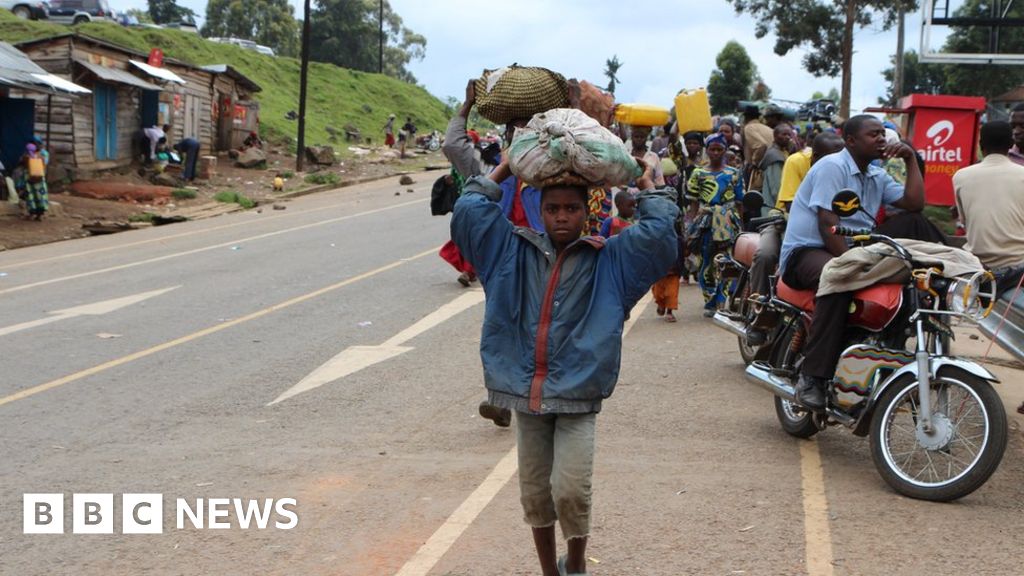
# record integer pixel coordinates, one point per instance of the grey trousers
(556, 466)
(766, 260)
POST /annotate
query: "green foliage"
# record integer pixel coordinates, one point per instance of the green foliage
(731, 81)
(235, 198)
(287, 174)
(142, 217)
(760, 91)
(347, 33)
(917, 78)
(611, 70)
(984, 79)
(168, 12)
(267, 22)
(336, 95)
(183, 194)
(321, 178)
(820, 26)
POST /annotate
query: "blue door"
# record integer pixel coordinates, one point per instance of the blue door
(105, 100)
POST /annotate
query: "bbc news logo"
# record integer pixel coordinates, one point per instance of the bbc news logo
(144, 513)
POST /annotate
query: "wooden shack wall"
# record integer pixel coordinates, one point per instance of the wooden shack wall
(72, 120)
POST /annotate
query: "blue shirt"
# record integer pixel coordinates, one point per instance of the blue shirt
(827, 177)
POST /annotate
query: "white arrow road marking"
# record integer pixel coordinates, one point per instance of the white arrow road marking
(355, 358)
(94, 309)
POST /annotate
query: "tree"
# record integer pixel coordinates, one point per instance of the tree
(827, 26)
(168, 12)
(731, 81)
(760, 90)
(917, 78)
(347, 33)
(611, 70)
(267, 22)
(983, 79)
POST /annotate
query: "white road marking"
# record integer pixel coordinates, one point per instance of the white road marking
(204, 249)
(355, 358)
(28, 392)
(94, 309)
(817, 533)
(445, 537)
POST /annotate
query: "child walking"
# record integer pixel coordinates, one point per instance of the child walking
(552, 335)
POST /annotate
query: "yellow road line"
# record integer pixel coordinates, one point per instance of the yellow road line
(289, 214)
(205, 332)
(203, 249)
(817, 532)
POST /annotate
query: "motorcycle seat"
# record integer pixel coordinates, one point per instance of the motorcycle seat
(745, 247)
(802, 299)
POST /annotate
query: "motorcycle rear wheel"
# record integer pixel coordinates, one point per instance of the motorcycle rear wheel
(794, 420)
(966, 449)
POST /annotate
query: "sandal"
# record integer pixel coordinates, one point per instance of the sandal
(1020, 409)
(562, 572)
(669, 317)
(661, 311)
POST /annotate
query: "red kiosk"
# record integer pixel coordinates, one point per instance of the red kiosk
(944, 129)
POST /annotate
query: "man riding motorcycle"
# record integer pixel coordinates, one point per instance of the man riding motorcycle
(809, 243)
(766, 258)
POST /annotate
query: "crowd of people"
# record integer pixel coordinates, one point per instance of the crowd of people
(517, 240)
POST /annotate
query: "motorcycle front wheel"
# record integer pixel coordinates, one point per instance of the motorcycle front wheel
(961, 453)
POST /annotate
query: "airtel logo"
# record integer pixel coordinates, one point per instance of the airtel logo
(941, 131)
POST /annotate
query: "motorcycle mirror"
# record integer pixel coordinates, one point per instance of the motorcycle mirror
(846, 203)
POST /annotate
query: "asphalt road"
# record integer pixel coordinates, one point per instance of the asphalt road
(391, 470)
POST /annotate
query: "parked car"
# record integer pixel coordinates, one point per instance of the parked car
(26, 9)
(814, 110)
(80, 11)
(247, 44)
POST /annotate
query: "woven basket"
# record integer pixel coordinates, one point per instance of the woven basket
(519, 93)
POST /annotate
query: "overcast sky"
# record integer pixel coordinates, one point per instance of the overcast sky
(665, 45)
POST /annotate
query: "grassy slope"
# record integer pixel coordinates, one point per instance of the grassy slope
(336, 96)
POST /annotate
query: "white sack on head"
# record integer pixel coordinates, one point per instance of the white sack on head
(565, 146)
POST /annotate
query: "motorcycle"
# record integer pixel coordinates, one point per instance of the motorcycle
(1005, 326)
(430, 141)
(741, 306)
(937, 427)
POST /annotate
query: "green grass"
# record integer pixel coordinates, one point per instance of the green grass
(941, 217)
(336, 96)
(320, 178)
(287, 174)
(143, 217)
(183, 194)
(235, 198)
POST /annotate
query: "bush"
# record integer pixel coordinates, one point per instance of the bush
(235, 198)
(287, 174)
(183, 194)
(143, 217)
(323, 178)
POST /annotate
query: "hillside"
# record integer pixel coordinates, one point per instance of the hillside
(336, 96)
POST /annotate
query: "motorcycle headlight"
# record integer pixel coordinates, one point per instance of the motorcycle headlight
(972, 296)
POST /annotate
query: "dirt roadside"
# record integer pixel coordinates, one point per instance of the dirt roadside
(73, 215)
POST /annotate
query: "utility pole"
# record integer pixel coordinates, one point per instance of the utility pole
(381, 52)
(300, 157)
(897, 80)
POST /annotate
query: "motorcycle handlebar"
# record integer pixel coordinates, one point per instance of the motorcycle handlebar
(756, 223)
(844, 231)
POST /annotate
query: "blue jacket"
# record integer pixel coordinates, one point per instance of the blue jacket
(552, 333)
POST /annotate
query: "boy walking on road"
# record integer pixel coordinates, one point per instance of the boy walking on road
(552, 336)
